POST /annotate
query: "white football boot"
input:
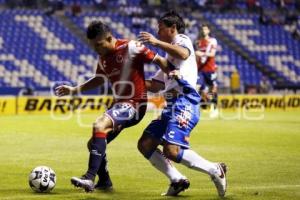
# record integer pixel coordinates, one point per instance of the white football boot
(220, 180)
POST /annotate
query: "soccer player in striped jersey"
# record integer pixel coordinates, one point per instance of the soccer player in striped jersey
(181, 114)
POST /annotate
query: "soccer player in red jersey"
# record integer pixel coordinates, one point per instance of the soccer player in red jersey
(121, 62)
(207, 68)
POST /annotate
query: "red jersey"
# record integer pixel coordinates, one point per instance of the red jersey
(205, 63)
(124, 68)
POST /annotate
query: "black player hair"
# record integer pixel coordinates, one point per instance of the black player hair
(201, 33)
(205, 25)
(97, 28)
(170, 18)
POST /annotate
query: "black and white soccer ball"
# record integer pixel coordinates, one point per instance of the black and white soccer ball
(42, 179)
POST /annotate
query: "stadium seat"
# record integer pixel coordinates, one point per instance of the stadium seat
(266, 43)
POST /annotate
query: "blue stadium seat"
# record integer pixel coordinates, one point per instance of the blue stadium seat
(271, 45)
(37, 50)
(28, 38)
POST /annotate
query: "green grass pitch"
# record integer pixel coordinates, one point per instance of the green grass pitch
(263, 157)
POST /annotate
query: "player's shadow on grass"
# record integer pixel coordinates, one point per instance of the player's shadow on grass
(55, 192)
(31, 192)
(222, 198)
(184, 196)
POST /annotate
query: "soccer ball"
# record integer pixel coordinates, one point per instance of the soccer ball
(42, 179)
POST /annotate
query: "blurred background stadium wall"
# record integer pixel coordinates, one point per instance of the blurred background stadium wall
(42, 44)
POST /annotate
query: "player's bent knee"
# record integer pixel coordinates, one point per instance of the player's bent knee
(147, 145)
(141, 146)
(99, 127)
(102, 127)
(103, 124)
(170, 153)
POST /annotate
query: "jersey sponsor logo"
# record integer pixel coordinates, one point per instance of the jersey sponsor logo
(184, 118)
(122, 46)
(104, 64)
(119, 58)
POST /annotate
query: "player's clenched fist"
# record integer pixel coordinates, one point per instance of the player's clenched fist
(63, 90)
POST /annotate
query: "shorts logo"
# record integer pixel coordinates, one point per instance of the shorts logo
(123, 111)
(115, 113)
(184, 118)
(171, 134)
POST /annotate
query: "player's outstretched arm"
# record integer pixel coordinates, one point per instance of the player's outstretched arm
(162, 63)
(174, 50)
(64, 90)
(92, 83)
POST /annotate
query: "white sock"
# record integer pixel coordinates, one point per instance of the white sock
(191, 159)
(160, 162)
